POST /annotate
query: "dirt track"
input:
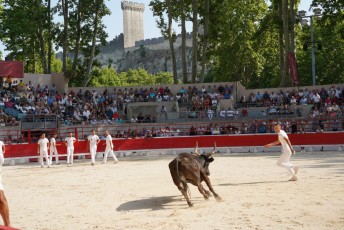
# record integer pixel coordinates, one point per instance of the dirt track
(141, 195)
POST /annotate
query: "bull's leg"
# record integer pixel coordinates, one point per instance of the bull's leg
(207, 181)
(184, 190)
(203, 191)
(207, 192)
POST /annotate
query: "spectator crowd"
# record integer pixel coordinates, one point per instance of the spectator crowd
(110, 106)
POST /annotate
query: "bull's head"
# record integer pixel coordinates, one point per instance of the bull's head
(208, 159)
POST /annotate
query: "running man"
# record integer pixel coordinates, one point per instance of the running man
(93, 141)
(287, 152)
(43, 145)
(69, 141)
(4, 211)
(109, 148)
(53, 150)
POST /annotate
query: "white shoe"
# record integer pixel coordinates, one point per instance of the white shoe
(116, 161)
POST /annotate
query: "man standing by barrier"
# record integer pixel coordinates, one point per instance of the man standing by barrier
(53, 150)
(109, 148)
(4, 210)
(287, 152)
(93, 141)
(43, 145)
(70, 148)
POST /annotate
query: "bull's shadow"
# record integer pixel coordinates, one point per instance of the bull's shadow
(152, 203)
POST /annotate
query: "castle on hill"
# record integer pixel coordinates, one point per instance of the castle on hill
(131, 50)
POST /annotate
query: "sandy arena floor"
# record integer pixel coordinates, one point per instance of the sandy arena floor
(140, 194)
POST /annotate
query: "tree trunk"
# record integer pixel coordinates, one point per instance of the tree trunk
(183, 19)
(285, 75)
(280, 43)
(171, 41)
(194, 39)
(65, 37)
(77, 40)
(42, 52)
(49, 37)
(292, 26)
(94, 41)
(205, 39)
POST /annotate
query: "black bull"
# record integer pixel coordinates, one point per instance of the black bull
(192, 168)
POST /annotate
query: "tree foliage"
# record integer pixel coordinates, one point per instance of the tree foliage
(106, 76)
(245, 41)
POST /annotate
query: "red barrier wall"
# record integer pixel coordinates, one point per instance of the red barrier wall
(335, 138)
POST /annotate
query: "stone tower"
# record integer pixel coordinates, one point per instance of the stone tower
(132, 22)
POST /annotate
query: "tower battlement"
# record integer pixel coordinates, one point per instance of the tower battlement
(133, 6)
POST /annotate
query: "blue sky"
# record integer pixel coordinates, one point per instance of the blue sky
(114, 22)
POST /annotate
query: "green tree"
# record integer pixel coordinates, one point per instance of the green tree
(106, 77)
(81, 33)
(160, 8)
(205, 38)
(232, 42)
(23, 32)
(164, 78)
(194, 62)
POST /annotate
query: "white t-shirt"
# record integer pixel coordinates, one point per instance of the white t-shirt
(43, 144)
(93, 140)
(86, 114)
(1, 144)
(70, 141)
(281, 135)
(109, 143)
(52, 143)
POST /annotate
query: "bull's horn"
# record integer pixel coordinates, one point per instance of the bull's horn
(196, 148)
(210, 154)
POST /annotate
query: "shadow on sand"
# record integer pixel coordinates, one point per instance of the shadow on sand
(153, 203)
(252, 183)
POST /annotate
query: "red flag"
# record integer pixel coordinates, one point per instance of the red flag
(13, 69)
(293, 68)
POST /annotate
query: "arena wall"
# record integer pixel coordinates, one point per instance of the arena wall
(222, 141)
(58, 79)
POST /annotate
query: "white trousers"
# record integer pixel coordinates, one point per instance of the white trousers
(284, 161)
(44, 153)
(52, 152)
(2, 159)
(70, 155)
(106, 153)
(93, 151)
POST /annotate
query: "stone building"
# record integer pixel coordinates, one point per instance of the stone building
(132, 22)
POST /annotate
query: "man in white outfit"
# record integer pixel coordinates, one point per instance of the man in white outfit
(69, 141)
(43, 145)
(287, 152)
(93, 141)
(53, 150)
(4, 210)
(109, 148)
